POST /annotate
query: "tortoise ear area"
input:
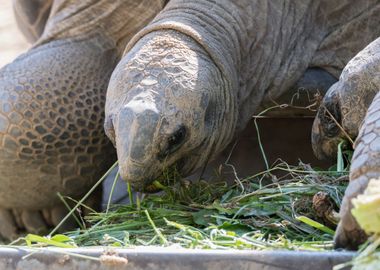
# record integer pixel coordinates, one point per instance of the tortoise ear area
(209, 115)
(209, 107)
(110, 130)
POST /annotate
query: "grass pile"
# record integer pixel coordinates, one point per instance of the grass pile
(284, 207)
(259, 212)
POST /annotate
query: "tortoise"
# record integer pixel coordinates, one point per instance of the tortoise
(177, 80)
(350, 109)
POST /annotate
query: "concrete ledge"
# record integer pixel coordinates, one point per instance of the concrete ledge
(170, 258)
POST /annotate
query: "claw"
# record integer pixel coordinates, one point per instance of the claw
(8, 226)
(348, 239)
(33, 222)
(57, 214)
(15, 222)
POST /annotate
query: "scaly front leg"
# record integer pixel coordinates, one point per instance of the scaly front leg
(52, 106)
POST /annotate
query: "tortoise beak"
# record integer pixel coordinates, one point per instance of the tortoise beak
(134, 138)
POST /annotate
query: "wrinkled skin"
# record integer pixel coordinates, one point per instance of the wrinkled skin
(152, 108)
(183, 87)
(348, 101)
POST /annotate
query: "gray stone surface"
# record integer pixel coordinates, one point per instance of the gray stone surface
(172, 259)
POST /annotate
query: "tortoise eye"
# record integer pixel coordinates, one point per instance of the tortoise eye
(177, 137)
(174, 142)
(330, 116)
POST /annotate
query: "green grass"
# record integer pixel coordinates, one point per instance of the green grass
(261, 212)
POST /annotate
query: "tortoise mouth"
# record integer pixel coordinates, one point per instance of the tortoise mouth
(324, 147)
(168, 177)
(326, 130)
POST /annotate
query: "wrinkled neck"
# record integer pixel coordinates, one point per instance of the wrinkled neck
(218, 26)
(116, 20)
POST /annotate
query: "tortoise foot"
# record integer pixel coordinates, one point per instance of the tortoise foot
(14, 223)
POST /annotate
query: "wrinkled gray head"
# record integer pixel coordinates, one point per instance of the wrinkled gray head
(326, 133)
(164, 108)
(342, 111)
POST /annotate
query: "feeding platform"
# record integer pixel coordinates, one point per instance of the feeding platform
(170, 259)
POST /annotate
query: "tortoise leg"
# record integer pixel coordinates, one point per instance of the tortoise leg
(347, 102)
(365, 166)
(15, 222)
(12, 222)
(8, 225)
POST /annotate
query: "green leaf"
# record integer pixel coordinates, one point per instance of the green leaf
(227, 196)
(61, 238)
(237, 228)
(315, 224)
(32, 238)
(260, 210)
(204, 217)
(223, 209)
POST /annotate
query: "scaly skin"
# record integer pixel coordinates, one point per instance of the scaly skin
(349, 99)
(52, 109)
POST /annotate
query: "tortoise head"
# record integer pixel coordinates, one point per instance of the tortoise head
(163, 108)
(342, 112)
(326, 133)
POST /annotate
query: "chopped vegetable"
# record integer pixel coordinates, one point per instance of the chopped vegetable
(367, 208)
